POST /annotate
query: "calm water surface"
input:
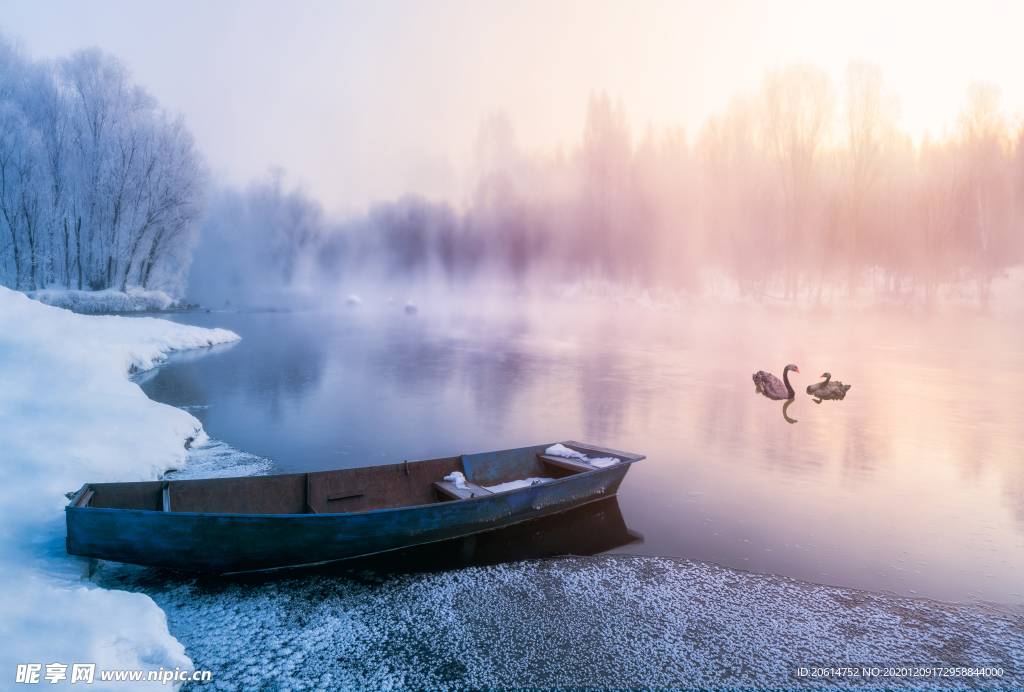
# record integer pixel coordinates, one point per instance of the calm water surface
(913, 484)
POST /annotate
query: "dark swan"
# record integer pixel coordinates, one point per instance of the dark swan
(828, 389)
(772, 387)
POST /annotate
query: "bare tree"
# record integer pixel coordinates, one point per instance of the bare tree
(871, 113)
(605, 157)
(741, 214)
(941, 201)
(797, 111)
(984, 138)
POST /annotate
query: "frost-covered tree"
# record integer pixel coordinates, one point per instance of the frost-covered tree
(100, 187)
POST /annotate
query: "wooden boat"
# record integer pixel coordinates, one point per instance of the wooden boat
(267, 522)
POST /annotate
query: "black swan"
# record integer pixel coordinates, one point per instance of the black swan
(828, 389)
(770, 385)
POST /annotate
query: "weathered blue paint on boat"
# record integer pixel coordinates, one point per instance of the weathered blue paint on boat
(226, 542)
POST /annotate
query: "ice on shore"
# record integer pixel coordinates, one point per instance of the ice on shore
(515, 485)
(70, 414)
(606, 622)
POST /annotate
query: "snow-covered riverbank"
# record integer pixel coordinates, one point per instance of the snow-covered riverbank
(110, 300)
(69, 414)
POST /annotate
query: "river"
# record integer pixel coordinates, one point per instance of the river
(913, 484)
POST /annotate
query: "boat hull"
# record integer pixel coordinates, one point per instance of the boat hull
(245, 542)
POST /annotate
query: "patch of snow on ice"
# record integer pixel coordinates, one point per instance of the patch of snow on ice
(457, 478)
(70, 414)
(515, 485)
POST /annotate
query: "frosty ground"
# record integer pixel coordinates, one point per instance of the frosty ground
(619, 622)
(69, 414)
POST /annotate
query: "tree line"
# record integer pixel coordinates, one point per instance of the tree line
(99, 187)
(808, 181)
(802, 186)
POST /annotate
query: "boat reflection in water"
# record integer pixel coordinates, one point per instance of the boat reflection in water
(593, 528)
(590, 529)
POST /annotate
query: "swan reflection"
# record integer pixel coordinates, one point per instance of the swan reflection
(786, 415)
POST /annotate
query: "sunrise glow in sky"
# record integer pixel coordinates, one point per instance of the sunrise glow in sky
(367, 101)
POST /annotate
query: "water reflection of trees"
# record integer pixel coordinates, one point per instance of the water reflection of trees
(505, 360)
(494, 367)
(277, 360)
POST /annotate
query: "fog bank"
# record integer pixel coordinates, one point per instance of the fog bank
(803, 186)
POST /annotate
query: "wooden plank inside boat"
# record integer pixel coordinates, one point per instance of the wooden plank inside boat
(562, 462)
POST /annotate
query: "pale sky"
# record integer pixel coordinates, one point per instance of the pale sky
(365, 101)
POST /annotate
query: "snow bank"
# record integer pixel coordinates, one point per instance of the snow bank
(516, 485)
(69, 414)
(110, 300)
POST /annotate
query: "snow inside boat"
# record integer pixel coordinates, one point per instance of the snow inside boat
(266, 522)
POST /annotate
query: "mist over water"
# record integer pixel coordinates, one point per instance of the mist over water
(912, 484)
(803, 190)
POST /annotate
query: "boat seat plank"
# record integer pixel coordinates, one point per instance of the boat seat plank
(83, 499)
(562, 462)
(594, 450)
(448, 488)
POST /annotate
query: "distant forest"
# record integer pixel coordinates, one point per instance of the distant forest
(798, 186)
(99, 187)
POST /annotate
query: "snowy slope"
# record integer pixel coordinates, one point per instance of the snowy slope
(69, 414)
